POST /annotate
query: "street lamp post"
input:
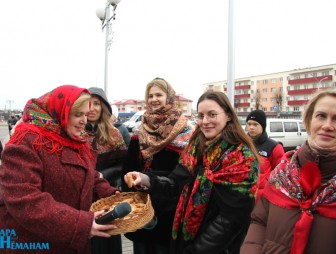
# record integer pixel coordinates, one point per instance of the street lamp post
(107, 15)
(320, 83)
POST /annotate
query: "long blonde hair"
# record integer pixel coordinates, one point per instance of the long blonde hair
(104, 126)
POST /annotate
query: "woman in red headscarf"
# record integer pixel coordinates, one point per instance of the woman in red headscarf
(48, 179)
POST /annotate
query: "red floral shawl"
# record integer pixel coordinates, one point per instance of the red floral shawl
(47, 116)
(292, 187)
(231, 165)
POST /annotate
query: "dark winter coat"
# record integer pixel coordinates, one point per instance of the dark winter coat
(124, 132)
(45, 197)
(226, 219)
(164, 162)
(277, 238)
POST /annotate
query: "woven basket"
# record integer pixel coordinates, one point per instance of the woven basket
(142, 211)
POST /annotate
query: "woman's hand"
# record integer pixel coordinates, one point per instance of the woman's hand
(100, 230)
(137, 180)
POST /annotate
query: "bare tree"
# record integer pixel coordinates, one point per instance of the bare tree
(257, 99)
(279, 100)
(279, 96)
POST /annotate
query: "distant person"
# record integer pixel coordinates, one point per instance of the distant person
(120, 126)
(156, 147)
(11, 123)
(108, 142)
(215, 181)
(297, 211)
(48, 179)
(270, 151)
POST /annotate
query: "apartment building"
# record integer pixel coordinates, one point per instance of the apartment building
(282, 94)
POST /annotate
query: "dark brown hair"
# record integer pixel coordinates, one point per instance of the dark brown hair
(233, 132)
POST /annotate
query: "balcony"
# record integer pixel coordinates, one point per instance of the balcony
(239, 96)
(244, 87)
(297, 102)
(309, 80)
(242, 104)
(302, 91)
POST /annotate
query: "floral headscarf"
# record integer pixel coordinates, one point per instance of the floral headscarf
(160, 127)
(230, 165)
(292, 187)
(48, 117)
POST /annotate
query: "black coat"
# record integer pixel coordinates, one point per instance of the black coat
(164, 162)
(226, 220)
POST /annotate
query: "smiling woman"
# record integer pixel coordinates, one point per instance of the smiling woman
(48, 179)
(299, 200)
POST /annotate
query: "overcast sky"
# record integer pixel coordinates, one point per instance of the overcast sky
(44, 44)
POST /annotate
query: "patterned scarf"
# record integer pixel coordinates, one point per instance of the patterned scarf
(47, 117)
(292, 187)
(160, 127)
(229, 165)
(117, 144)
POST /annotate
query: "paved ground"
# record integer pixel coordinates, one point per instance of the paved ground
(127, 245)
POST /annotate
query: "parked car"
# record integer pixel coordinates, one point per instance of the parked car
(288, 132)
(134, 121)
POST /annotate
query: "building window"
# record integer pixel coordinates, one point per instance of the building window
(273, 80)
(264, 99)
(281, 89)
(252, 82)
(325, 73)
(264, 109)
(297, 87)
(273, 90)
(265, 81)
(264, 90)
(297, 77)
(296, 109)
(281, 79)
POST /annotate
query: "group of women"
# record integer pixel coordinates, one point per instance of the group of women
(66, 154)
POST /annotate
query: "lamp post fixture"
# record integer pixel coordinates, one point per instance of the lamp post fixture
(106, 16)
(320, 83)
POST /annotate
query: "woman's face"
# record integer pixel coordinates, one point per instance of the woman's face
(77, 120)
(211, 118)
(157, 98)
(95, 109)
(323, 123)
